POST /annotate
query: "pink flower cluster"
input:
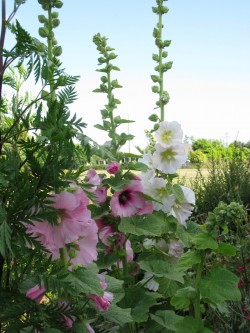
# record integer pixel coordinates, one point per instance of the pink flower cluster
(75, 228)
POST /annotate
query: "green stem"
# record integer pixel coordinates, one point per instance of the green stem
(63, 257)
(50, 55)
(160, 69)
(111, 116)
(197, 305)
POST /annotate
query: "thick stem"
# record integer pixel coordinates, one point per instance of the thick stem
(111, 116)
(197, 305)
(160, 69)
(50, 56)
(63, 257)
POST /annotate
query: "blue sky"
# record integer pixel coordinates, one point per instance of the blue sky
(209, 83)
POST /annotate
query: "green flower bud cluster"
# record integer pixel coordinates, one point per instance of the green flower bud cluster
(49, 23)
(162, 66)
(107, 86)
(226, 217)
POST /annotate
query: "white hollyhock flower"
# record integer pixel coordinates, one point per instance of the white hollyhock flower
(151, 284)
(146, 159)
(147, 179)
(169, 133)
(148, 243)
(176, 248)
(157, 190)
(183, 209)
(169, 159)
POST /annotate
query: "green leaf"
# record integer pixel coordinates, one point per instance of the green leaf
(183, 297)
(118, 315)
(191, 325)
(154, 224)
(85, 281)
(138, 166)
(115, 286)
(161, 268)
(5, 232)
(166, 318)
(100, 127)
(226, 249)
(189, 259)
(204, 241)
(119, 120)
(52, 330)
(220, 285)
(178, 192)
(140, 301)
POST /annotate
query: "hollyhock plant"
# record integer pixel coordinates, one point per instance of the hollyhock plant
(113, 168)
(169, 159)
(130, 201)
(36, 293)
(169, 133)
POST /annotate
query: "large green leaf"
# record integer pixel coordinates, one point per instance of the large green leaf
(85, 281)
(118, 315)
(191, 325)
(188, 259)
(140, 301)
(226, 249)
(161, 268)
(220, 285)
(116, 287)
(5, 232)
(154, 224)
(166, 318)
(183, 298)
(204, 241)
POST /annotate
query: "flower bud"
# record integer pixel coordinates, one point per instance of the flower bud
(57, 51)
(43, 32)
(55, 22)
(42, 19)
(153, 117)
(58, 4)
(54, 15)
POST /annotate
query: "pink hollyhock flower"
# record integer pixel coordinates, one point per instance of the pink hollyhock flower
(113, 168)
(36, 293)
(105, 233)
(93, 178)
(240, 268)
(101, 194)
(102, 303)
(130, 201)
(87, 243)
(75, 225)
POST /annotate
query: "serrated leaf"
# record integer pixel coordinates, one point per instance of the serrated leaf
(85, 281)
(191, 325)
(5, 232)
(203, 241)
(115, 286)
(154, 224)
(178, 192)
(226, 249)
(183, 297)
(220, 285)
(140, 301)
(118, 315)
(161, 268)
(189, 259)
(167, 318)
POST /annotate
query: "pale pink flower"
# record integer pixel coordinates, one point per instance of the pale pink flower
(93, 178)
(102, 303)
(101, 194)
(130, 201)
(113, 168)
(169, 159)
(169, 133)
(105, 233)
(36, 293)
(87, 243)
(176, 248)
(74, 225)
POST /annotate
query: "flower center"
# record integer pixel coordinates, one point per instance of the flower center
(124, 197)
(167, 154)
(166, 137)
